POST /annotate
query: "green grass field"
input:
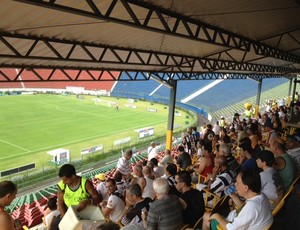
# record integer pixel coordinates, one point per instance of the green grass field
(31, 125)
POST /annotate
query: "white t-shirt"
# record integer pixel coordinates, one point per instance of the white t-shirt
(255, 215)
(101, 189)
(152, 153)
(117, 205)
(268, 185)
(124, 166)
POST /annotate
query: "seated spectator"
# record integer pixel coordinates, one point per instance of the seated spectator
(121, 184)
(166, 159)
(8, 192)
(171, 170)
(293, 149)
(250, 162)
(166, 211)
(135, 204)
(152, 151)
(192, 197)
(101, 189)
(184, 159)
(159, 170)
(115, 205)
(221, 176)
(48, 216)
(255, 213)
(137, 174)
(284, 163)
(225, 150)
(75, 190)
(271, 184)
(146, 183)
(124, 164)
(205, 164)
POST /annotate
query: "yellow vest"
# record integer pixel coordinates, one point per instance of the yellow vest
(74, 197)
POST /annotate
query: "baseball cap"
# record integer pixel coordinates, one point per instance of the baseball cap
(101, 176)
(266, 156)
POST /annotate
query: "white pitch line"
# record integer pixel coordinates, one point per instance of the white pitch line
(14, 145)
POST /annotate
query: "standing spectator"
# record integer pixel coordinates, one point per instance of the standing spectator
(124, 164)
(135, 204)
(284, 163)
(165, 212)
(192, 197)
(8, 192)
(217, 130)
(75, 190)
(189, 142)
(152, 151)
(171, 170)
(209, 135)
(255, 213)
(271, 184)
(115, 205)
(196, 134)
(184, 159)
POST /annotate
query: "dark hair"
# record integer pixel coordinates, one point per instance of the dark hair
(7, 187)
(108, 226)
(135, 189)
(154, 161)
(180, 148)
(52, 203)
(252, 180)
(245, 140)
(184, 177)
(118, 176)
(111, 180)
(171, 168)
(67, 170)
(246, 147)
(207, 147)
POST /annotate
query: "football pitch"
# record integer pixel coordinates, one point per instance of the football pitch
(31, 125)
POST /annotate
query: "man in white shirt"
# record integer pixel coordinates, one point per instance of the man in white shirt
(254, 213)
(152, 151)
(115, 205)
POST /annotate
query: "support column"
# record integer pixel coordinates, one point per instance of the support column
(172, 103)
(258, 97)
(293, 99)
(290, 91)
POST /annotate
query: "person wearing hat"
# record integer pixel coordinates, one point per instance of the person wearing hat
(271, 183)
(101, 189)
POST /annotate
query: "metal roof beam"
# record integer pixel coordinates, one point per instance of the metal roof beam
(194, 29)
(60, 73)
(123, 56)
